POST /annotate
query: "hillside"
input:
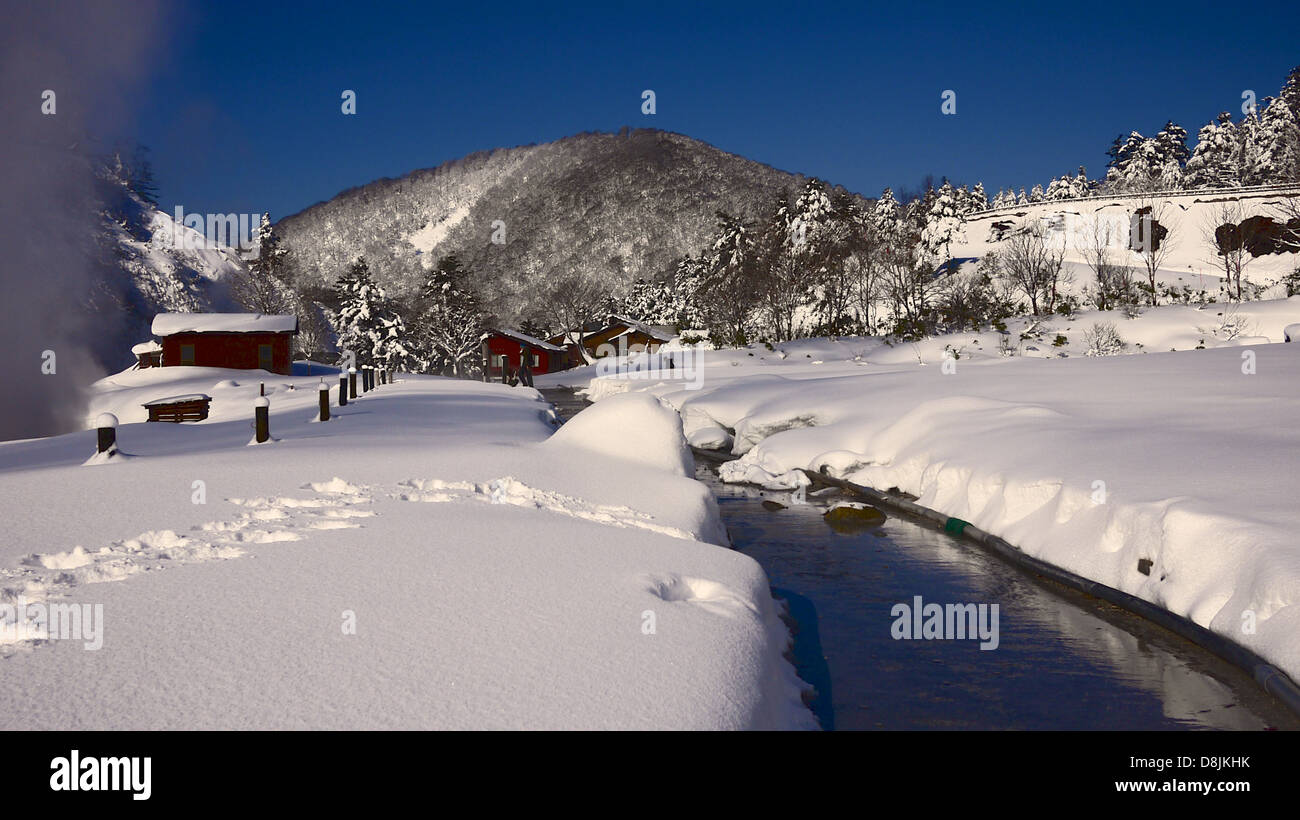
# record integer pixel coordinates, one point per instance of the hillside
(618, 206)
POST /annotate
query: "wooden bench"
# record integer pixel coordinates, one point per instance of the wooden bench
(193, 407)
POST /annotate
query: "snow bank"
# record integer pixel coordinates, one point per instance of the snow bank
(631, 427)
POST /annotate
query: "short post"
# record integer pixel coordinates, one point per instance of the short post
(369, 380)
(343, 389)
(263, 389)
(106, 426)
(352, 382)
(262, 418)
(487, 363)
(383, 376)
(324, 401)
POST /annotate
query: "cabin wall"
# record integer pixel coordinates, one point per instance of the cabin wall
(233, 350)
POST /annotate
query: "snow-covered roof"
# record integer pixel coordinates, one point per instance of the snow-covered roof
(165, 324)
(146, 347)
(633, 324)
(176, 399)
(524, 338)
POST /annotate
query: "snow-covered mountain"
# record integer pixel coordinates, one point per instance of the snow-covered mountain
(620, 206)
(150, 265)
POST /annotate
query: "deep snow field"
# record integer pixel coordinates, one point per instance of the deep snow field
(1098, 464)
(498, 575)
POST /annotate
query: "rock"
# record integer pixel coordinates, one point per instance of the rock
(769, 504)
(853, 517)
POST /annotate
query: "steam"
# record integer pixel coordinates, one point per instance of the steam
(89, 54)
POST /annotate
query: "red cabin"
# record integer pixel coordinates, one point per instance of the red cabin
(243, 341)
(504, 347)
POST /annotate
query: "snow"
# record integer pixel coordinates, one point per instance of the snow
(166, 324)
(636, 428)
(1183, 458)
(145, 347)
(497, 576)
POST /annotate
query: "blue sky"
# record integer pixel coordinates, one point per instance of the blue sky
(242, 107)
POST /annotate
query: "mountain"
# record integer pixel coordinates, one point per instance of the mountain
(617, 206)
(149, 264)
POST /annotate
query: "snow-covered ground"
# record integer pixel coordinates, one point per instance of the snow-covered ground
(494, 574)
(1185, 459)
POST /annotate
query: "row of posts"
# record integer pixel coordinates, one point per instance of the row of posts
(371, 377)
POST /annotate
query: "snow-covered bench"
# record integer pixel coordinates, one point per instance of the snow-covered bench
(190, 407)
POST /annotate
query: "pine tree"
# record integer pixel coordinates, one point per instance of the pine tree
(1279, 159)
(366, 323)
(979, 201)
(1251, 169)
(263, 289)
(943, 224)
(1171, 155)
(452, 323)
(1214, 163)
(1036, 195)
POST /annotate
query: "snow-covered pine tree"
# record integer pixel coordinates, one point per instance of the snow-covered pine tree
(1251, 169)
(979, 201)
(1171, 156)
(1022, 200)
(1057, 189)
(263, 289)
(1036, 195)
(1213, 163)
(1279, 159)
(451, 321)
(366, 323)
(943, 223)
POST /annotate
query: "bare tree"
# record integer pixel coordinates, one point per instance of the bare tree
(1152, 238)
(1096, 240)
(1034, 268)
(574, 299)
(1230, 234)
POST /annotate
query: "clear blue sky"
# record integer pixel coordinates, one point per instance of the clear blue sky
(242, 108)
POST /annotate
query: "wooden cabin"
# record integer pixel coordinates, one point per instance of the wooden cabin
(242, 341)
(618, 333)
(503, 349)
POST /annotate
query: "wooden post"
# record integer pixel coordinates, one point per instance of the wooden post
(324, 401)
(383, 376)
(343, 389)
(487, 362)
(352, 382)
(106, 426)
(263, 389)
(262, 418)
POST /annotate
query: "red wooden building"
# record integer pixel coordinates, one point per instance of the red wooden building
(504, 348)
(244, 341)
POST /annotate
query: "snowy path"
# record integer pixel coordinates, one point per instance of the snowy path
(495, 578)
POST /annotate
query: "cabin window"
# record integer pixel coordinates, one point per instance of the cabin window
(187, 354)
(537, 360)
(264, 358)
